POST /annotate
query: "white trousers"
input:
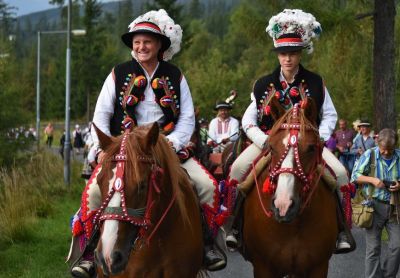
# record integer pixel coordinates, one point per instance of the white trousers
(243, 163)
(206, 186)
(204, 183)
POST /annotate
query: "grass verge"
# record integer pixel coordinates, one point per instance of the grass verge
(34, 218)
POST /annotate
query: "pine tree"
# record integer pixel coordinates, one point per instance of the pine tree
(173, 9)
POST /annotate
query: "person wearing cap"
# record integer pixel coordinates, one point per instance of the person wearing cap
(291, 31)
(153, 39)
(365, 140)
(385, 201)
(223, 128)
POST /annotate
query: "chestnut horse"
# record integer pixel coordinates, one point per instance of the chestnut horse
(290, 229)
(150, 218)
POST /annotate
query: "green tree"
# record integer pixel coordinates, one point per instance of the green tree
(13, 103)
(173, 9)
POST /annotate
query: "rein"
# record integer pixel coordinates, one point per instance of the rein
(139, 217)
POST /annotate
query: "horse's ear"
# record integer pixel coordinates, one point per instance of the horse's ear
(277, 111)
(310, 110)
(104, 139)
(152, 135)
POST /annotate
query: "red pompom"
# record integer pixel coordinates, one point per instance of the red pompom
(77, 228)
(221, 218)
(294, 92)
(166, 101)
(131, 100)
(267, 110)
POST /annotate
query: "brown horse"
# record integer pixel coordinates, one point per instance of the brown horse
(150, 218)
(290, 229)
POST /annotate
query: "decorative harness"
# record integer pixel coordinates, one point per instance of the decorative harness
(270, 184)
(139, 217)
(297, 170)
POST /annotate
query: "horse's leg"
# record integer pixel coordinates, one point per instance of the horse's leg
(320, 271)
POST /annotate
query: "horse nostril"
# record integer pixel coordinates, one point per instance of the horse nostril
(118, 262)
(116, 257)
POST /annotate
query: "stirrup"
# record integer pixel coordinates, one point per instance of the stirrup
(231, 242)
(85, 269)
(344, 244)
(214, 261)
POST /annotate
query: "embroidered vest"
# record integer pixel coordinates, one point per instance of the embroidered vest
(311, 82)
(130, 77)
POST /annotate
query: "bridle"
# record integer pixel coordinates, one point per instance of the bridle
(298, 169)
(140, 217)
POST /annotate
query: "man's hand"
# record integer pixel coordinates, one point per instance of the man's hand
(377, 182)
(225, 140)
(212, 144)
(394, 187)
(266, 144)
(340, 148)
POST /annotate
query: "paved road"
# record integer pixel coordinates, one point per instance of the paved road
(341, 266)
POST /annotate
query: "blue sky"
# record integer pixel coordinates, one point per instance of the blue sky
(31, 6)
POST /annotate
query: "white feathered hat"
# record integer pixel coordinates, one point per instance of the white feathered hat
(292, 30)
(159, 24)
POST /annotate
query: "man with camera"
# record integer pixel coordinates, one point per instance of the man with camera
(383, 186)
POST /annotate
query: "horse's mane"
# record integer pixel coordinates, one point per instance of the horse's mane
(163, 156)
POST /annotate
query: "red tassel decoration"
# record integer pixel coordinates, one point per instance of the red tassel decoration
(267, 186)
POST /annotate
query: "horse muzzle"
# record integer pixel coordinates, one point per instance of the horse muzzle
(113, 264)
(286, 214)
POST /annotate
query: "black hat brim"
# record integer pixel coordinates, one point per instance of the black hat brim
(222, 106)
(285, 49)
(127, 39)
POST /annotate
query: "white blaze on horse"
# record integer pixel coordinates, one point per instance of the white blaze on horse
(149, 218)
(290, 229)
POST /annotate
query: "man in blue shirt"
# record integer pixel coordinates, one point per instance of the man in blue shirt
(364, 141)
(385, 201)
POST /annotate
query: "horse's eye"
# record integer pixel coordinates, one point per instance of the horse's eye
(310, 148)
(141, 185)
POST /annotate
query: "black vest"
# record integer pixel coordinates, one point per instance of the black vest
(312, 83)
(123, 75)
